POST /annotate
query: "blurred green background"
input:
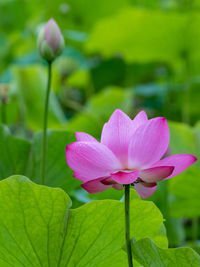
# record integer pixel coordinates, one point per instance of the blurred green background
(127, 54)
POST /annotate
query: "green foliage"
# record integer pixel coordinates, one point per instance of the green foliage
(178, 197)
(134, 33)
(111, 98)
(57, 173)
(186, 190)
(39, 228)
(99, 108)
(30, 87)
(13, 153)
(84, 122)
(182, 139)
(19, 156)
(90, 11)
(149, 255)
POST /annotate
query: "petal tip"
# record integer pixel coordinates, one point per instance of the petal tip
(51, 20)
(162, 119)
(118, 112)
(143, 113)
(194, 158)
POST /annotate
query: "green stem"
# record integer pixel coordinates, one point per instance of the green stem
(45, 124)
(127, 225)
(3, 111)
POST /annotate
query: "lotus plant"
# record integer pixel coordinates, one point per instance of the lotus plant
(129, 154)
(50, 44)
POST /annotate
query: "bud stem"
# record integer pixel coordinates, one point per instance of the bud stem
(127, 225)
(45, 124)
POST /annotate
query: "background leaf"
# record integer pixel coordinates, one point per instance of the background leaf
(149, 255)
(185, 190)
(182, 139)
(134, 33)
(99, 108)
(13, 153)
(30, 87)
(58, 173)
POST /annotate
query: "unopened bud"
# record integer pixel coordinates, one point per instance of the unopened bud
(50, 41)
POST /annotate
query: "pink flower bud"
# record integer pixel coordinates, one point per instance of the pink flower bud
(50, 41)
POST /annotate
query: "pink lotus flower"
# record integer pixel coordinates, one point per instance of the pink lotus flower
(130, 152)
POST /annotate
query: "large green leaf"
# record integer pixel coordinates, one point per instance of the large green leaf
(148, 254)
(57, 173)
(37, 228)
(13, 153)
(135, 34)
(87, 11)
(186, 190)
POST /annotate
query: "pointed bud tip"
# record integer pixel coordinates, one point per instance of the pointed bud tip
(51, 21)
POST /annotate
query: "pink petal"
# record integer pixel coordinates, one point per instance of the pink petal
(122, 177)
(179, 161)
(145, 189)
(80, 136)
(140, 119)
(116, 135)
(91, 159)
(149, 143)
(156, 174)
(52, 34)
(95, 186)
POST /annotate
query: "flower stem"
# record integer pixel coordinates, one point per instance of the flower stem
(45, 124)
(127, 225)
